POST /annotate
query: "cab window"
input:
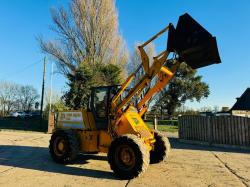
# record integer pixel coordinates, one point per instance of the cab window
(100, 102)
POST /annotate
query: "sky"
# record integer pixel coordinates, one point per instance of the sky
(21, 60)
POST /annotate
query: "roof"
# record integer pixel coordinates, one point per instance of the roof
(243, 102)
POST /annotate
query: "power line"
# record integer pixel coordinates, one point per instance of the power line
(21, 71)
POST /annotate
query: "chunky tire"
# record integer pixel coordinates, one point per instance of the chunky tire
(161, 148)
(128, 156)
(69, 142)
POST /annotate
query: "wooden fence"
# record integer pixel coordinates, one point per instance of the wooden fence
(231, 130)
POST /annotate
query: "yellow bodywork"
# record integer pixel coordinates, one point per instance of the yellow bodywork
(93, 140)
(83, 122)
(131, 123)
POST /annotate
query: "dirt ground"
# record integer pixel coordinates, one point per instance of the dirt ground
(25, 161)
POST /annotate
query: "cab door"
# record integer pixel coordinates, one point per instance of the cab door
(99, 106)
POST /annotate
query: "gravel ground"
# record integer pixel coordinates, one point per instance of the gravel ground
(25, 161)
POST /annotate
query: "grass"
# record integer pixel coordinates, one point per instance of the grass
(165, 122)
(163, 127)
(24, 124)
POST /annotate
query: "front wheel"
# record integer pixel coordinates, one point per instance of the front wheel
(128, 156)
(161, 148)
(64, 146)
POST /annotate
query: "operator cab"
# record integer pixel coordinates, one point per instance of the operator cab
(100, 104)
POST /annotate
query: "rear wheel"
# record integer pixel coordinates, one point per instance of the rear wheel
(64, 146)
(161, 148)
(128, 156)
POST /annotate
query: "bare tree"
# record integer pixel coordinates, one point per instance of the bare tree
(206, 109)
(14, 97)
(87, 34)
(8, 97)
(135, 59)
(27, 97)
(55, 96)
(216, 108)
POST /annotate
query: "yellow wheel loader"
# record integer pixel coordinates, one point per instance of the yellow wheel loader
(113, 123)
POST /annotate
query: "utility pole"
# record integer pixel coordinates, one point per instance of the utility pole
(44, 76)
(51, 79)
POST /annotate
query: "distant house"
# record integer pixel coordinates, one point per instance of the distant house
(242, 105)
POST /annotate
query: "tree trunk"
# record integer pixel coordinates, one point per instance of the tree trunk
(161, 109)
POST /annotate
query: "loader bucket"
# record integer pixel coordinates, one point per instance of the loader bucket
(194, 44)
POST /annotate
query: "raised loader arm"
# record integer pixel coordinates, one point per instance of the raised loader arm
(189, 42)
(150, 73)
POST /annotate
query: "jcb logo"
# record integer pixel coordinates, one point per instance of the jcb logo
(136, 121)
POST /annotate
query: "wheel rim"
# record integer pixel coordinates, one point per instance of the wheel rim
(125, 157)
(59, 146)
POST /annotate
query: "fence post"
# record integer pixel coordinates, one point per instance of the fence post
(51, 122)
(209, 130)
(180, 127)
(155, 123)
